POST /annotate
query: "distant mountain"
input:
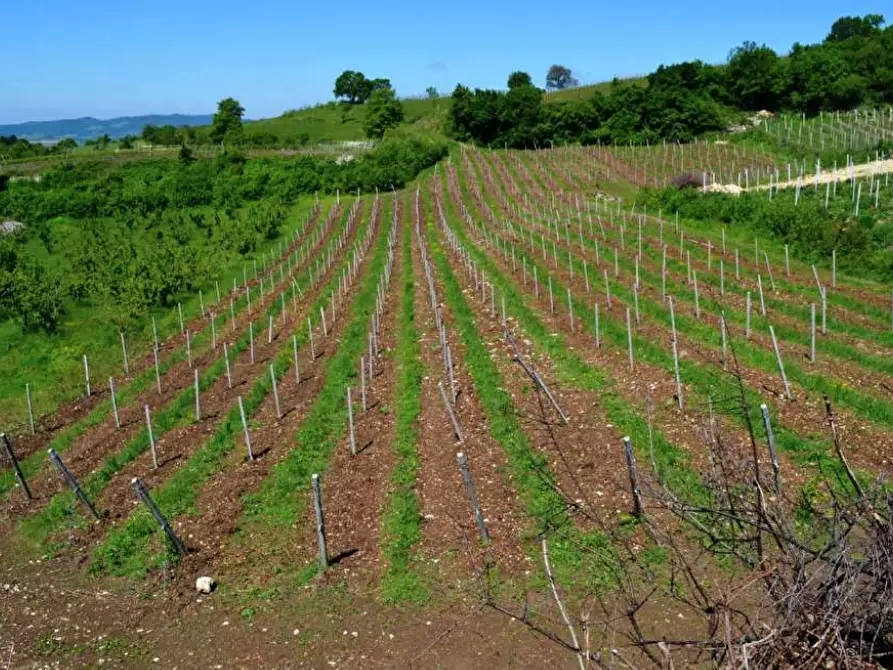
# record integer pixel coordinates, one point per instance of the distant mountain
(87, 128)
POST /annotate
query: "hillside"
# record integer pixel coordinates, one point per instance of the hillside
(87, 128)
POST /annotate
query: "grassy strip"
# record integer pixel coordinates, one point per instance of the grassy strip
(125, 551)
(276, 504)
(62, 510)
(401, 527)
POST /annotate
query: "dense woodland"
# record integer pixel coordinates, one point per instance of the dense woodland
(851, 67)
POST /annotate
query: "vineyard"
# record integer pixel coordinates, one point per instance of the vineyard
(502, 416)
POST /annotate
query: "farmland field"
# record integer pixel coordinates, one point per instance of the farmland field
(471, 365)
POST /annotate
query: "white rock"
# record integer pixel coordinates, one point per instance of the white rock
(205, 584)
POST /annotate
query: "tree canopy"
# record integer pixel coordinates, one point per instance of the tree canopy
(355, 88)
(559, 77)
(383, 111)
(852, 67)
(227, 123)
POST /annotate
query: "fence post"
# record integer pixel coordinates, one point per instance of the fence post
(87, 375)
(151, 438)
(144, 496)
(472, 496)
(114, 403)
(245, 429)
(633, 476)
(320, 522)
(773, 457)
(30, 407)
(73, 483)
(15, 466)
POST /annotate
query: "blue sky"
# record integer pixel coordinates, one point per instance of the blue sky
(101, 58)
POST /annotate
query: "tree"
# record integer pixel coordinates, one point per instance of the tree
(185, 155)
(755, 77)
(383, 111)
(518, 79)
(559, 77)
(66, 144)
(227, 123)
(353, 86)
(848, 27)
(432, 93)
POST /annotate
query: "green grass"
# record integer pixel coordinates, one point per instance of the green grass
(587, 91)
(401, 525)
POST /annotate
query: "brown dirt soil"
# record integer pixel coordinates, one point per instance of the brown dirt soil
(449, 521)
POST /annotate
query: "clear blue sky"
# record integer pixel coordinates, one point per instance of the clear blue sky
(64, 58)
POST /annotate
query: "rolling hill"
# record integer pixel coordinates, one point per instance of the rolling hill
(87, 128)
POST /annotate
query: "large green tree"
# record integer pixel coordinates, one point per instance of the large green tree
(519, 79)
(383, 111)
(559, 77)
(227, 124)
(755, 77)
(352, 86)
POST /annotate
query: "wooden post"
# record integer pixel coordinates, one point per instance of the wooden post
(472, 496)
(151, 437)
(7, 447)
(146, 499)
(73, 483)
(320, 522)
(275, 391)
(245, 430)
(629, 340)
(773, 457)
(633, 476)
(457, 429)
(570, 307)
(598, 342)
(157, 371)
(724, 337)
(30, 407)
(198, 406)
(229, 375)
(812, 332)
(124, 354)
(294, 344)
(310, 337)
(114, 403)
(762, 301)
(353, 437)
(784, 378)
(674, 342)
(697, 300)
(87, 375)
(363, 381)
(551, 298)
